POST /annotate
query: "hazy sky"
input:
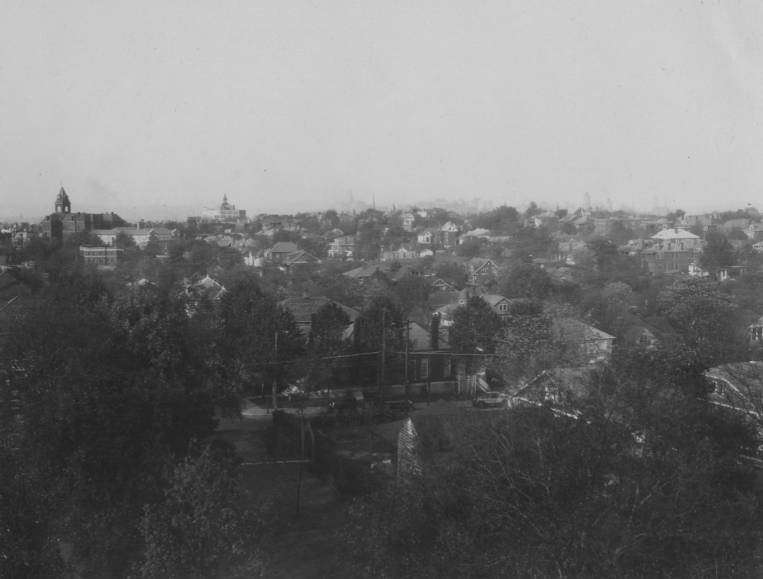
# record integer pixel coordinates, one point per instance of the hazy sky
(290, 105)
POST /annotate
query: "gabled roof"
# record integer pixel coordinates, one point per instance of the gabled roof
(344, 240)
(479, 232)
(579, 331)
(440, 299)
(674, 233)
(478, 263)
(284, 247)
(442, 285)
(403, 272)
(300, 256)
(575, 381)
(420, 338)
(493, 299)
(303, 308)
(363, 272)
(743, 383)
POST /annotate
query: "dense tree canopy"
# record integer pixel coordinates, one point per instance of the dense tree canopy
(475, 327)
(717, 253)
(704, 318)
(660, 491)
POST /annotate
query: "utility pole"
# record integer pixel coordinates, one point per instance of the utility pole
(275, 375)
(383, 352)
(407, 339)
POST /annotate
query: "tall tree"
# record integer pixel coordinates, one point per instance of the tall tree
(380, 322)
(529, 345)
(541, 494)
(108, 389)
(704, 318)
(257, 336)
(717, 253)
(526, 280)
(475, 327)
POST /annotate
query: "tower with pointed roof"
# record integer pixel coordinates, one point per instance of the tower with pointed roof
(63, 205)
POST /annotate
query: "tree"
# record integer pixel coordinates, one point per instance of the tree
(532, 209)
(199, 527)
(530, 242)
(611, 307)
(327, 329)
(717, 253)
(153, 247)
(503, 220)
(381, 321)
(527, 280)
(256, 336)
(412, 293)
(475, 327)
(453, 273)
(124, 241)
(605, 254)
(470, 248)
(529, 345)
(659, 490)
(108, 389)
(704, 318)
(331, 219)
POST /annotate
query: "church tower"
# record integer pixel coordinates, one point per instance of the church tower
(63, 205)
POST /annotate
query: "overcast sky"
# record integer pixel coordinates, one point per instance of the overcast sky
(291, 105)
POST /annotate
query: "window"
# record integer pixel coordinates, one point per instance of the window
(424, 368)
(551, 394)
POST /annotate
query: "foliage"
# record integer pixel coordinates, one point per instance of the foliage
(199, 527)
(471, 247)
(412, 293)
(531, 242)
(526, 280)
(381, 320)
(717, 253)
(475, 327)
(704, 318)
(256, 335)
(611, 307)
(529, 345)
(326, 338)
(453, 273)
(108, 388)
(534, 494)
(500, 221)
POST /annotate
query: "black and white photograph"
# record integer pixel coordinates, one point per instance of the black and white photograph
(342, 289)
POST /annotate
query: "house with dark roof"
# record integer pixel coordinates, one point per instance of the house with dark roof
(206, 289)
(280, 251)
(481, 270)
(499, 304)
(591, 344)
(303, 309)
(299, 257)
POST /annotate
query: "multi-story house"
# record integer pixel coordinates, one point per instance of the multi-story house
(342, 247)
(672, 250)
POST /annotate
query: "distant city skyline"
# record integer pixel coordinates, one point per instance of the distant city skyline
(160, 109)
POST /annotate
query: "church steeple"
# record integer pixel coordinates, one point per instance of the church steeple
(63, 205)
